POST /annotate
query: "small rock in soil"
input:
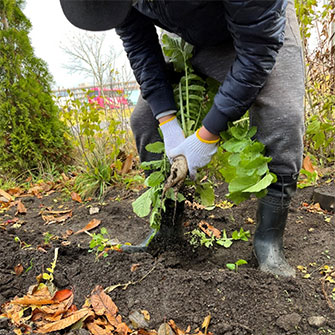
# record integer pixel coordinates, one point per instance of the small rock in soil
(317, 321)
(289, 321)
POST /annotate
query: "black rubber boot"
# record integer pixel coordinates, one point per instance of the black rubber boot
(169, 234)
(271, 216)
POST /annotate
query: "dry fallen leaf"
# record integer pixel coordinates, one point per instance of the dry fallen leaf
(206, 322)
(64, 323)
(146, 314)
(6, 195)
(123, 329)
(62, 295)
(20, 208)
(138, 320)
(102, 303)
(96, 329)
(127, 164)
(307, 164)
(54, 219)
(134, 267)
(209, 229)
(177, 330)
(92, 224)
(165, 329)
(18, 269)
(76, 197)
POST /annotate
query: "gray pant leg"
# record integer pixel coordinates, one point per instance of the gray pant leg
(145, 129)
(278, 112)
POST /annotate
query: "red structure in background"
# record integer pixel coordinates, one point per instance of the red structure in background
(113, 98)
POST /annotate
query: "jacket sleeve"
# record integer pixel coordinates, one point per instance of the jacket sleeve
(257, 28)
(140, 41)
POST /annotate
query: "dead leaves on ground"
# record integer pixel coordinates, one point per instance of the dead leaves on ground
(41, 312)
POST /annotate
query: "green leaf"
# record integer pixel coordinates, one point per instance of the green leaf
(225, 242)
(231, 266)
(239, 132)
(155, 179)
(241, 183)
(261, 185)
(152, 164)
(241, 262)
(206, 193)
(142, 205)
(234, 145)
(157, 147)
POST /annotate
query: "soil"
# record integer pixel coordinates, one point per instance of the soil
(182, 284)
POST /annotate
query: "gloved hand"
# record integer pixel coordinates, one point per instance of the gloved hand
(172, 134)
(197, 151)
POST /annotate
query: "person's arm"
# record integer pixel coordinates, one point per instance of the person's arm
(140, 41)
(257, 28)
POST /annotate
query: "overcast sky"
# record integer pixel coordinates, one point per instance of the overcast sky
(49, 29)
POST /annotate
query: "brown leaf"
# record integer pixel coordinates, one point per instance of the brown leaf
(96, 329)
(174, 327)
(18, 269)
(123, 329)
(102, 303)
(146, 314)
(52, 219)
(6, 195)
(127, 164)
(307, 164)
(20, 208)
(32, 300)
(165, 329)
(76, 197)
(134, 267)
(64, 323)
(209, 229)
(62, 295)
(58, 308)
(92, 224)
(15, 191)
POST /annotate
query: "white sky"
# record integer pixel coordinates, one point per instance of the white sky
(49, 29)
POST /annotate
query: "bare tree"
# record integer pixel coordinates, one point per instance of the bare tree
(87, 55)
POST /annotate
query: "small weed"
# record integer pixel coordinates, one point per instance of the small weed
(23, 245)
(199, 238)
(235, 266)
(102, 242)
(30, 266)
(47, 237)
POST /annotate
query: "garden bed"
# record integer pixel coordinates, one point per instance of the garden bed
(182, 284)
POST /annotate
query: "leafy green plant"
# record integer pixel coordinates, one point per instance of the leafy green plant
(47, 237)
(320, 82)
(98, 139)
(244, 166)
(151, 201)
(23, 245)
(199, 238)
(309, 180)
(235, 266)
(101, 242)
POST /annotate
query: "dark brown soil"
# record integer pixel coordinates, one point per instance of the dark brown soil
(184, 284)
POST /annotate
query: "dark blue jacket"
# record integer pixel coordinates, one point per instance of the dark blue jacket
(257, 29)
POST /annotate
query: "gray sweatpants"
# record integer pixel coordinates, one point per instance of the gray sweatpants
(277, 113)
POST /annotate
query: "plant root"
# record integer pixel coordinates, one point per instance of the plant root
(177, 175)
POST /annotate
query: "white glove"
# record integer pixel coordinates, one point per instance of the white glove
(172, 134)
(197, 151)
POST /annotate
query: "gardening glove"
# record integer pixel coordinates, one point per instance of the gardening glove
(172, 134)
(197, 151)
